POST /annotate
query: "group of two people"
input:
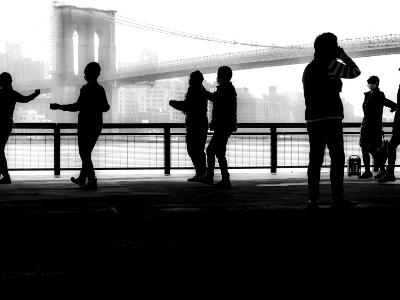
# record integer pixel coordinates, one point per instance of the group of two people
(223, 123)
(91, 104)
(371, 133)
(322, 86)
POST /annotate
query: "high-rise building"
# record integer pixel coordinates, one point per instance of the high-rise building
(246, 106)
(274, 108)
(137, 103)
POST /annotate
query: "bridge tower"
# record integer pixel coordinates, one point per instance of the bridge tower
(88, 33)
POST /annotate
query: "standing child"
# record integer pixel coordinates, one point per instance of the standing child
(195, 108)
(8, 99)
(91, 104)
(223, 123)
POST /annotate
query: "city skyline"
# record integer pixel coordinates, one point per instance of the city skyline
(130, 50)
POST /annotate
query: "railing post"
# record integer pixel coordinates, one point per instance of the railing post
(274, 149)
(57, 149)
(167, 150)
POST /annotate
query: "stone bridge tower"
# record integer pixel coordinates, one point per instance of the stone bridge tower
(93, 32)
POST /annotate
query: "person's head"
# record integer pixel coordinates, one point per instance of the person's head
(224, 74)
(196, 78)
(92, 71)
(5, 80)
(326, 46)
(373, 82)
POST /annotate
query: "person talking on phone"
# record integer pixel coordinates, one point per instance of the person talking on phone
(322, 85)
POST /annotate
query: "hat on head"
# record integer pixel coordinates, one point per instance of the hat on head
(373, 79)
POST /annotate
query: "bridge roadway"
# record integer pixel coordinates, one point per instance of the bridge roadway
(159, 229)
(293, 54)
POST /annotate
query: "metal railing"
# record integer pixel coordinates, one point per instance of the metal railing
(53, 146)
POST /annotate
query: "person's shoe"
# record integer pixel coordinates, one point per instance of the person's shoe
(366, 175)
(223, 184)
(342, 203)
(91, 185)
(389, 176)
(312, 204)
(207, 179)
(5, 180)
(380, 175)
(79, 181)
(195, 178)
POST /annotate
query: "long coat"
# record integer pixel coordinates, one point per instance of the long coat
(371, 127)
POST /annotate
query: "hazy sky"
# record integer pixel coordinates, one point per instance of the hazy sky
(266, 22)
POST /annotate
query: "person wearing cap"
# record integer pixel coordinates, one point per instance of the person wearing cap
(195, 109)
(371, 127)
(393, 144)
(8, 99)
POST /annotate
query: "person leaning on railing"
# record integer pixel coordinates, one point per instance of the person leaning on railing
(8, 99)
(324, 114)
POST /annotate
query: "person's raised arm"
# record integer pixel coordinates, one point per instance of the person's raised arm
(348, 69)
(390, 104)
(179, 105)
(67, 107)
(210, 96)
(25, 99)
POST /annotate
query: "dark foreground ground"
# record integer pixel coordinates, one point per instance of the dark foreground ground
(156, 229)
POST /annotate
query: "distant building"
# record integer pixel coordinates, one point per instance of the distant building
(22, 69)
(348, 111)
(274, 108)
(137, 104)
(28, 116)
(246, 106)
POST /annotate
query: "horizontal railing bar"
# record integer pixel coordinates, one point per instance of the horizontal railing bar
(174, 125)
(172, 134)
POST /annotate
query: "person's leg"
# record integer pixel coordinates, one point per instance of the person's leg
(317, 142)
(379, 162)
(82, 147)
(393, 144)
(211, 148)
(4, 135)
(191, 146)
(336, 152)
(201, 157)
(366, 159)
(92, 140)
(221, 142)
(367, 164)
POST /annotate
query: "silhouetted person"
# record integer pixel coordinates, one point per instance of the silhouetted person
(8, 99)
(371, 127)
(324, 114)
(393, 144)
(195, 108)
(223, 124)
(91, 104)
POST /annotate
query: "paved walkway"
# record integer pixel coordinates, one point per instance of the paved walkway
(155, 226)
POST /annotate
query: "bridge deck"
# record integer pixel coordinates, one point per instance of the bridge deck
(151, 228)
